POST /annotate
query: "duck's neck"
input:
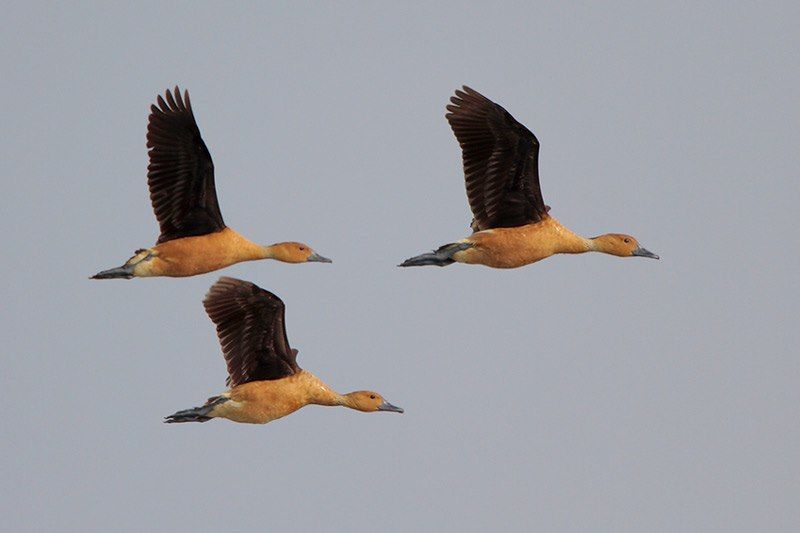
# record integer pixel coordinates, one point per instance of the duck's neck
(246, 249)
(330, 398)
(599, 244)
(570, 242)
(320, 394)
(259, 251)
(265, 252)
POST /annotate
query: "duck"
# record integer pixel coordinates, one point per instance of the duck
(265, 383)
(512, 227)
(193, 237)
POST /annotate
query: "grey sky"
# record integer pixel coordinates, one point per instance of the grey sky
(583, 393)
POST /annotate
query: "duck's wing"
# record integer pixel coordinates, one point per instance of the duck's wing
(180, 174)
(501, 162)
(251, 330)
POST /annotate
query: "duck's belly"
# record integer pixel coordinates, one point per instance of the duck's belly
(259, 402)
(188, 256)
(253, 412)
(506, 247)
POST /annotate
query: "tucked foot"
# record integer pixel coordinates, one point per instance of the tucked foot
(442, 256)
(124, 272)
(196, 414)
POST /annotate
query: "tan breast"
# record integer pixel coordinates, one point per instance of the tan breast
(190, 256)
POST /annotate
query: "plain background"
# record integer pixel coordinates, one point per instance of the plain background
(582, 393)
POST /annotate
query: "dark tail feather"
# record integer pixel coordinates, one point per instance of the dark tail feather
(443, 256)
(427, 259)
(196, 414)
(187, 415)
(119, 272)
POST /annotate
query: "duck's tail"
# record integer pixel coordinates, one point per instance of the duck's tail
(196, 414)
(442, 256)
(125, 272)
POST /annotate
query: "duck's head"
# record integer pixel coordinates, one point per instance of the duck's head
(369, 402)
(294, 252)
(621, 245)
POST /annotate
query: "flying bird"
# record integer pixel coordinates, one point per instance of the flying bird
(264, 379)
(511, 224)
(194, 239)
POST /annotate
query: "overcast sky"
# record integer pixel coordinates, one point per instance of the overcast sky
(582, 393)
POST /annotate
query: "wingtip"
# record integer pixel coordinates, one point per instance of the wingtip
(465, 90)
(171, 100)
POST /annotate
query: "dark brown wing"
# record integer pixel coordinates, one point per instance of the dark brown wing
(501, 162)
(180, 174)
(251, 330)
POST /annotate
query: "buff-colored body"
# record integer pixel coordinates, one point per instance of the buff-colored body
(259, 402)
(190, 256)
(523, 245)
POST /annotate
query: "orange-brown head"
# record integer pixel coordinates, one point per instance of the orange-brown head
(369, 402)
(293, 252)
(620, 245)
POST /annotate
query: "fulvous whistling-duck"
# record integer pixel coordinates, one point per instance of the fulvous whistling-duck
(194, 239)
(511, 224)
(264, 379)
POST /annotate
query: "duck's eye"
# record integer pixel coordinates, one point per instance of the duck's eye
(302, 248)
(627, 240)
(371, 396)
